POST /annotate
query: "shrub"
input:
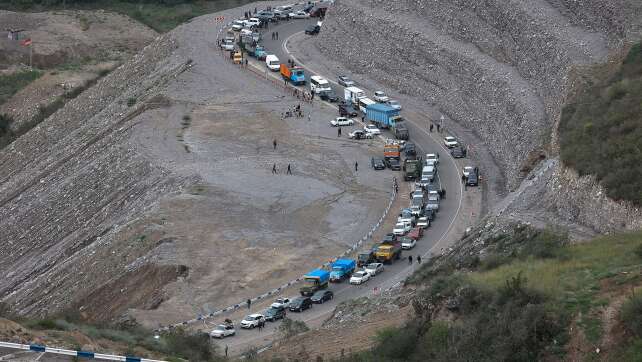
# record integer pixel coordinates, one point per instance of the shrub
(601, 134)
(290, 328)
(638, 251)
(631, 314)
(131, 101)
(193, 347)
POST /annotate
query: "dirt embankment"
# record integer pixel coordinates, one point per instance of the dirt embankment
(153, 189)
(61, 37)
(500, 69)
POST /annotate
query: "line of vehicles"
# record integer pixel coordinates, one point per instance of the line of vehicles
(380, 112)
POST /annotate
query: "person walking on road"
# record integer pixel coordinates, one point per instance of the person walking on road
(431, 127)
(249, 301)
(272, 35)
(277, 35)
(274, 144)
(356, 166)
(409, 259)
(226, 350)
(418, 259)
(289, 172)
(339, 132)
(438, 127)
(274, 169)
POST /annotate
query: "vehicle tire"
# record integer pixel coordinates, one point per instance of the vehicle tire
(253, 326)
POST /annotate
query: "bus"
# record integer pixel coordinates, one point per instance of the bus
(319, 84)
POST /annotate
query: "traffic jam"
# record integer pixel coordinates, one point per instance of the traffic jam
(380, 116)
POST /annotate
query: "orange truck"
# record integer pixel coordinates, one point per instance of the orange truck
(295, 74)
(391, 150)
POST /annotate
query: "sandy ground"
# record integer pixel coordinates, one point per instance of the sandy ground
(240, 229)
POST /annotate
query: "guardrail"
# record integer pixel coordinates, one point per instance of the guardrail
(68, 352)
(275, 291)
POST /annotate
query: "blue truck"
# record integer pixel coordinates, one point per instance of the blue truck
(295, 74)
(384, 116)
(313, 281)
(342, 269)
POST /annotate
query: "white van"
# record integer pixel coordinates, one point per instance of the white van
(319, 84)
(272, 62)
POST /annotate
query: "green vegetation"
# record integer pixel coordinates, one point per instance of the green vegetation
(12, 83)
(290, 328)
(178, 344)
(601, 132)
(517, 303)
(161, 15)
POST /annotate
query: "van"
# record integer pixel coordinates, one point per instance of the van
(272, 62)
(429, 172)
(319, 84)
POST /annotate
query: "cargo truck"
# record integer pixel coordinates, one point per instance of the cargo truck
(295, 74)
(391, 150)
(388, 251)
(400, 130)
(411, 170)
(352, 95)
(314, 281)
(342, 269)
(366, 257)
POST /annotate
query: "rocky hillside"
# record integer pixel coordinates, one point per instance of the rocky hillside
(498, 68)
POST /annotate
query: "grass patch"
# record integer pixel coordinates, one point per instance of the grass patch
(601, 131)
(12, 83)
(161, 16)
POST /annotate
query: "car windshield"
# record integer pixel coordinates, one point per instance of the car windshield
(450, 139)
(220, 327)
(394, 103)
(359, 274)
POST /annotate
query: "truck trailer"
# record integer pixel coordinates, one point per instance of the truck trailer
(352, 95)
(381, 114)
(342, 269)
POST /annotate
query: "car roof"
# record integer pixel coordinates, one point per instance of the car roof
(255, 315)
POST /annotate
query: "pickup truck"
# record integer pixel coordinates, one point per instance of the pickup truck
(342, 269)
(315, 280)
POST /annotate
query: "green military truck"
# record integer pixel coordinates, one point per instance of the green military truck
(411, 170)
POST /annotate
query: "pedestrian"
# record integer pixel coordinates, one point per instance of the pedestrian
(274, 173)
(418, 259)
(431, 127)
(245, 62)
(274, 143)
(254, 10)
(311, 95)
(339, 132)
(249, 302)
(277, 35)
(356, 166)
(443, 192)
(226, 350)
(272, 35)
(439, 128)
(289, 172)
(396, 188)
(409, 259)
(465, 182)
(309, 116)
(260, 325)
(285, 82)
(363, 119)
(463, 178)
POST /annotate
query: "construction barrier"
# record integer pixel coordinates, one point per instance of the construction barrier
(68, 352)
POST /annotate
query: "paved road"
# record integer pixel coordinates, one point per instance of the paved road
(434, 239)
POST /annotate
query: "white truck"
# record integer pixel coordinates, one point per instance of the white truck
(381, 97)
(352, 95)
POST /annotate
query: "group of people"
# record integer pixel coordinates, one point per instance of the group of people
(410, 259)
(432, 126)
(275, 35)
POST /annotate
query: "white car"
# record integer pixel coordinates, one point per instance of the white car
(408, 243)
(372, 129)
(423, 222)
(299, 15)
(281, 303)
(228, 44)
(247, 32)
(401, 228)
(467, 170)
(374, 269)
(432, 158)
(360, 277)
(222, 331)
(381, 97)
(450, 142)
(284, 7)
(359, 134)
(341, 121)
(252, 22)
(394, 104)
(252, 320)
(237, 25)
